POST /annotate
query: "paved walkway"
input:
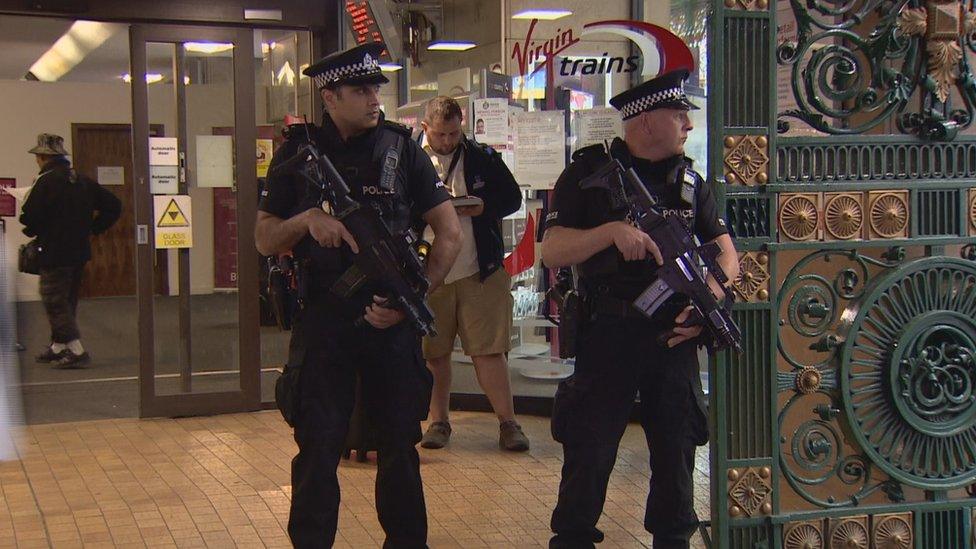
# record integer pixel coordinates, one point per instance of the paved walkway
(224, 482)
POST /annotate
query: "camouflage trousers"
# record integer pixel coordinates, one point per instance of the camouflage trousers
(59, 293)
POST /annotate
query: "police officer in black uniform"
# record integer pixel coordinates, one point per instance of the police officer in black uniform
(385, 169)
(618, 354)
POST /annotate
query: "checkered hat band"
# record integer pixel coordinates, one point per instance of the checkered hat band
(642, 104)
(331, 76)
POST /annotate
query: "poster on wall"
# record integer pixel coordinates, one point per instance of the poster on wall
(540, 148)
(491, 121)
(596, 126)
(215, 161)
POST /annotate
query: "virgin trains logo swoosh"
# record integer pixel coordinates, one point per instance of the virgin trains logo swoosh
(660, 49)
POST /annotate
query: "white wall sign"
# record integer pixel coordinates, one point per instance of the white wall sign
(163, 151)
(540, 148)
(215, 161)
(172, 221)
(111, 175)
(596, 126)
(164, 179)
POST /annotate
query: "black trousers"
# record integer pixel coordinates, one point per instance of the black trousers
(617, 358)
(59, 288)
(396, 395)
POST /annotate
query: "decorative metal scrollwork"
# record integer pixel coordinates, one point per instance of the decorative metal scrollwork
(799, 216)
(814, 451)
(908, 372)
(847, 81)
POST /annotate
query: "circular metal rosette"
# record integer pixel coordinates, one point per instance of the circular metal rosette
(908, 372)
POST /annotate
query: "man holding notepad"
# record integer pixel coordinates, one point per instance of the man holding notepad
(475, 300)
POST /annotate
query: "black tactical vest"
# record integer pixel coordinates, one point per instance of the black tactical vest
(376, 178)
(672, 182)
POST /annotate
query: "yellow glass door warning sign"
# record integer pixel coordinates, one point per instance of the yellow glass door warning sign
(173, 221)
(173, 216)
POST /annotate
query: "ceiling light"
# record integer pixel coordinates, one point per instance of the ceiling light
(151, 78)
(207, 47)
(427, 86)
(390, 67)
(543, 15)
(82, 38)
(443, 45)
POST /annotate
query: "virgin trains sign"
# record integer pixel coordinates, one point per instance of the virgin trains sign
(660, 49)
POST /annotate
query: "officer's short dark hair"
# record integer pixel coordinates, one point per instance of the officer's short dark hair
(442, 108)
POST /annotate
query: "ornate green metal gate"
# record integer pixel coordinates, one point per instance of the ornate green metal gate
(847, 155)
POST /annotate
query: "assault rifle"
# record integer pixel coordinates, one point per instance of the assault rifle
(681, 272)
(385, 258)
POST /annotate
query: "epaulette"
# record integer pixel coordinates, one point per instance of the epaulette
(592, 157)
(405, 130)
(596, 153)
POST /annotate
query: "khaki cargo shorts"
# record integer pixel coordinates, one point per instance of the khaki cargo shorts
(480, 312)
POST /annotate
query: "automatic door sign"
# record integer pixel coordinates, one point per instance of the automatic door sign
(173, 226)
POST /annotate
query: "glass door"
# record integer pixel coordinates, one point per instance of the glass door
(195, 204)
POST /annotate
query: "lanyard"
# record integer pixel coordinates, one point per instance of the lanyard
(450, 169)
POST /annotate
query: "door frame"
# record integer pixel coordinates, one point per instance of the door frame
(248, 397)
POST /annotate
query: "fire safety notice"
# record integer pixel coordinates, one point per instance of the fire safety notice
(172, 219)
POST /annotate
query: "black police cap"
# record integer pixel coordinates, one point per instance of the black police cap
(354, 67)
(665, 91)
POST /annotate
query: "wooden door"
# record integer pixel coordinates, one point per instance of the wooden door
(111, 272)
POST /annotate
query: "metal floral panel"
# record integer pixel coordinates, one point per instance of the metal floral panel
(804, 535)
(893, 531)
(752, 284)
(849, 532)
(800, 216)
(971, 216)
(747, 160)
(843, 215)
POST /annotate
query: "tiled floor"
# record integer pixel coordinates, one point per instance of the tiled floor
(224, 482)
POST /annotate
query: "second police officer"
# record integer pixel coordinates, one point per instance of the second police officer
(617, 352)
(384, 168)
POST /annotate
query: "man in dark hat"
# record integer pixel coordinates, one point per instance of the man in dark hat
(387, 170)
(618, 354)
(62, 211)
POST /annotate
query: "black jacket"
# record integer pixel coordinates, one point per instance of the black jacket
(63, 210)
(487, 177)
